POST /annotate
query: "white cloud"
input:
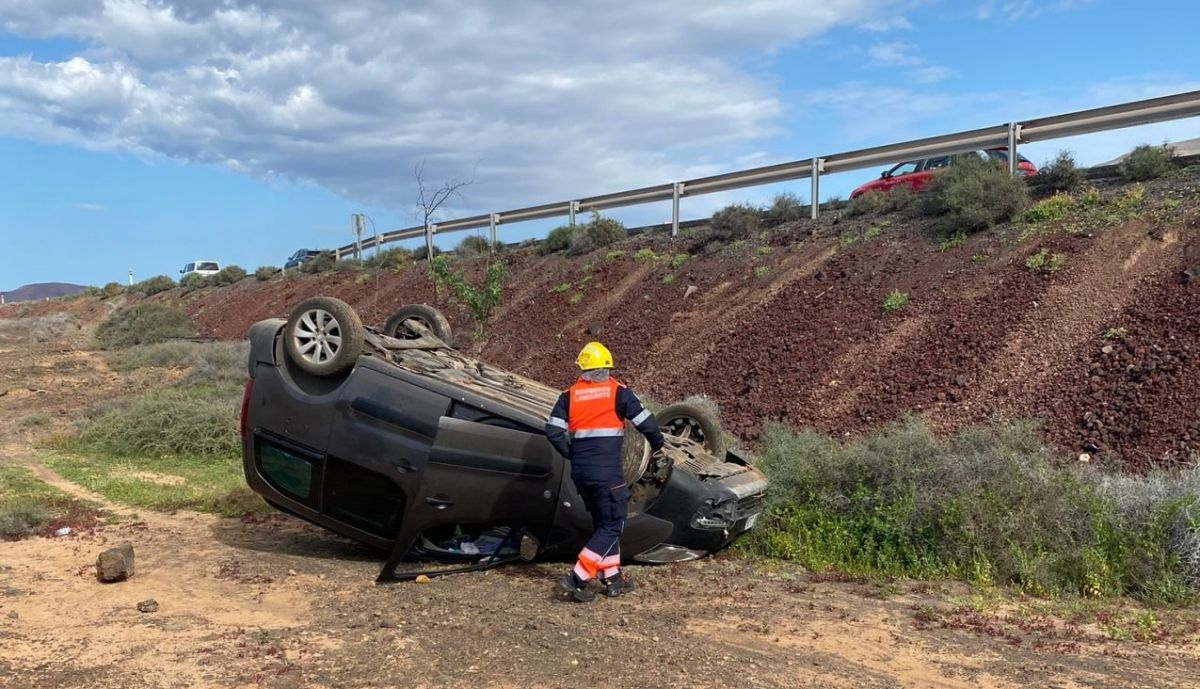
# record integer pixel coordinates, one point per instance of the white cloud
(88, 206)
(931, 74)
(900, 54)
(550, 99)
(894, 53)
(1015, 10)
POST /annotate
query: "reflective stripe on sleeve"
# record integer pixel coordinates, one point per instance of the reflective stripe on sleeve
(555, 421)
(637, 420)
(599, 433)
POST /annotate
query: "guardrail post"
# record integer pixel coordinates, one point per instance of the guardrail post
(1014, 135)
(429, 230)
(676, 192)
(492, 220)
(572, 208)
(818, 164)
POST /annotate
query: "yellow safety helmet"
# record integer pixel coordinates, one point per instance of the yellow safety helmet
(594, 355)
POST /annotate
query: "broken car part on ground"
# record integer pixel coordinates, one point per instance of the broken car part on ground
(395, 439)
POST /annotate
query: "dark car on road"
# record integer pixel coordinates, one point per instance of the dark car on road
(915, 175)
(300, 256)
(393, 438)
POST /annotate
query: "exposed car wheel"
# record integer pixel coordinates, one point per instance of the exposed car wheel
(635, 455)
(693, 423)
(401, 324)
(323, 336)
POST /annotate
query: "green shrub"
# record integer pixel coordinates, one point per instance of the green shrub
(1044, 261)
(265, 273)
(420, 253)
(602, 232)
(110, 290)
(1048, 210)
(895, 301)
(390, 259)
(1146, 162)
(761, 272)
(229, 275)
(192, 282)
(190, 421)
(154, 285)
(209, 363)
(472, 246)
(736, 221)
(28, 504)
(143, 324)
(558, 240)
(878, 202)
(645, 254)
(870, 203)
(21, 518)
(321, 263)
(1060, 174)
(973, 194)
(990, 504)
(954, 241)
(479, 300)
(785, 208)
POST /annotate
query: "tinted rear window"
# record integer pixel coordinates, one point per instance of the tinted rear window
(207, 265)
(289, 473)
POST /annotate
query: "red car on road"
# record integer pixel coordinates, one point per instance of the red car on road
(917, 174)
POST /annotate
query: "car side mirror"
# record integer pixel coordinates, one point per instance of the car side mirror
(885, 174)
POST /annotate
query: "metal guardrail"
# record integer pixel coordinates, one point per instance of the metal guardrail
(1010, 135)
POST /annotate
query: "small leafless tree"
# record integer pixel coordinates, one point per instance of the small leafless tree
(431, 197)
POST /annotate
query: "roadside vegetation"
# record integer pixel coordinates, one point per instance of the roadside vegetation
(1146, 162)
(30, 506)
(576, 240)
(144, 323)
(169, 448)
(990, 505)
(479, 300)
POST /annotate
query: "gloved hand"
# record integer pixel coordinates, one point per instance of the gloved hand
(658, 455)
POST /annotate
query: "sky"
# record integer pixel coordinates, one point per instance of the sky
(143, 134)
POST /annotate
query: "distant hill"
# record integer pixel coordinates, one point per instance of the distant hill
(41, 290)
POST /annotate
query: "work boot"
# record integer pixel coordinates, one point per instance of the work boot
(575, 589)
(618, 585)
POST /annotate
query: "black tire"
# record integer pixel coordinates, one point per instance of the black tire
(694, 423)
(323, 336)
(427, 316)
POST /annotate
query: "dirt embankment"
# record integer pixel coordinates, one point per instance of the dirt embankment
(1106, 350)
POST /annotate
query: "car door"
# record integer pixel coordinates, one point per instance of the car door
(901, 175)
(403, 459)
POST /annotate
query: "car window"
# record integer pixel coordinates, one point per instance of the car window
(937, 163)
(904, 168)
(189, 267)
(207, 265)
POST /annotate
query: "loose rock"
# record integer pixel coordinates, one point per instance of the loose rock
(115, 564)
(422, 579)
(148, 605)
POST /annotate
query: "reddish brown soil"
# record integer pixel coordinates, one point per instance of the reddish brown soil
(804, 340)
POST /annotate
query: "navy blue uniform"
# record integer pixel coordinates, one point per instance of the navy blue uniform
(587, 427)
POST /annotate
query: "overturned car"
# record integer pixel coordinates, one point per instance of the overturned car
(395, 439)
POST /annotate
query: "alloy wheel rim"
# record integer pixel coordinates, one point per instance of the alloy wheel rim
(317, 336)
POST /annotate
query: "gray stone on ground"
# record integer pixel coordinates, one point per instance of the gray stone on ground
(115, 564)
(148, 605)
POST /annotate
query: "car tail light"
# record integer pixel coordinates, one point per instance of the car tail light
(246, 404)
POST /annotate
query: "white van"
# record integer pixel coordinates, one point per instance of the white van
(200, 268)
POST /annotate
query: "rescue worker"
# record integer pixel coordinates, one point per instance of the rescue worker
(587, 427)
